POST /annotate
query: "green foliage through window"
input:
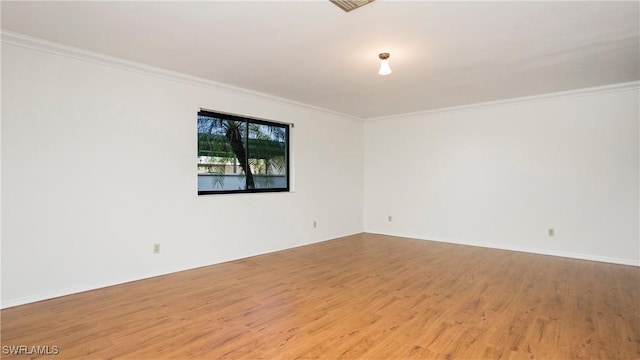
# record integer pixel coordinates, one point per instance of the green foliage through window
(240, 154)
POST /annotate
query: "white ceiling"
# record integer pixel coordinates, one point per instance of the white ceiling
(443, 53)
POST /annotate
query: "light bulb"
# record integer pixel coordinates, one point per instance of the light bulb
(385, 69)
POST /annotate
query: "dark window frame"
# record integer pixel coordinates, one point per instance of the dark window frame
(250, 120)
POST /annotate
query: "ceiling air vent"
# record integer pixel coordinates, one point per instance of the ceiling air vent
(348, 5)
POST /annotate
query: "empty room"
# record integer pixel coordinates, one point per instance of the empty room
(320, 179)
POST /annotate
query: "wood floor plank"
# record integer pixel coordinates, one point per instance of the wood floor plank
(360, 297)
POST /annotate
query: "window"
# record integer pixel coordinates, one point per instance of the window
(237, 154)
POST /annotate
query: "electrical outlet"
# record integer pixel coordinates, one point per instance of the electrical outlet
(156, 248)
(551, 232)
(390, 218)
(314, 224)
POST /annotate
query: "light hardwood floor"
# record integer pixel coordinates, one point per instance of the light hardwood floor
(359, 297)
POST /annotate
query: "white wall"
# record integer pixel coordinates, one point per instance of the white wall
(67, 122)
(495, 176)
(500, 176)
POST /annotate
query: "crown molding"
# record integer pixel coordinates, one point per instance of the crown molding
(632, 85)
(30, 42)
(51, 47)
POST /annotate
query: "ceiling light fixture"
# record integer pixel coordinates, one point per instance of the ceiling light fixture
(385, 69)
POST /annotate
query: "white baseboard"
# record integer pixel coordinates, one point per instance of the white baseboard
(565, 254)
(47, 295)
